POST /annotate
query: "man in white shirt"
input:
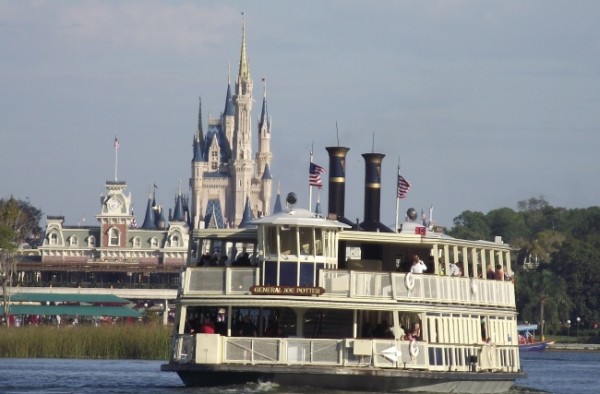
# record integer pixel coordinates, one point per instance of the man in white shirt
(453, 270)
(418, 266)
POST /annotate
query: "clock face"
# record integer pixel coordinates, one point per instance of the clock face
(114, 204)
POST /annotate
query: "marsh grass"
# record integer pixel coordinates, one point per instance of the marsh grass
(143, 342)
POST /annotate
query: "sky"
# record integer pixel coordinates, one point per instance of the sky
(482, 103)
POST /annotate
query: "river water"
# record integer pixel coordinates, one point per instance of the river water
(551, 372)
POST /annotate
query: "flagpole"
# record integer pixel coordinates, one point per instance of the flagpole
(309, 185)
(397, 197)
(116, 144)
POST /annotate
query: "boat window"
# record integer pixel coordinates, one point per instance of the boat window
(270, 240)
(318, 242)
(306, 240)
(270, 271)
(289, 274)
(328, 323)
(287, 239)
(307, 274)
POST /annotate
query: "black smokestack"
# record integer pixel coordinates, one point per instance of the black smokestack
(337, 183)
(373, 193)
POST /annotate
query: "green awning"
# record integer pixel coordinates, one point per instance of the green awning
(59, 297)
(72, 310)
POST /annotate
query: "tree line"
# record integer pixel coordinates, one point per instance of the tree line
(556, 259)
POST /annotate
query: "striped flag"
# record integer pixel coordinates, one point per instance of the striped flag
(314, 175)
(133, 221)
(403, 186)
(117, 143)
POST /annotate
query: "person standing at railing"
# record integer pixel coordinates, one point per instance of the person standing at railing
(221, 323)
(499, 272)
(418, 266)
(454, 269)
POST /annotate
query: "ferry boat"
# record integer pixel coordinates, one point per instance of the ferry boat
(325, 302)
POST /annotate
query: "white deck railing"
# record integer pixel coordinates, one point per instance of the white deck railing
(359, 284)
(379, 353)
(422, 287)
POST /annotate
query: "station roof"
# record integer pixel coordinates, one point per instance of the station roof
(72, 310)
(58, 297)
(70, 305)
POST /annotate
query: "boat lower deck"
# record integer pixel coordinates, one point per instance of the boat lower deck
(345, 378)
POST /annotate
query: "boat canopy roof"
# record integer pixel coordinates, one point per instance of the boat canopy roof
(299, 217)
(527, 327)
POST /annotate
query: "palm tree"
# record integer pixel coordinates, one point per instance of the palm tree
(542, 294)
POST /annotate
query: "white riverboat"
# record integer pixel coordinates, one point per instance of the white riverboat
(317, 301)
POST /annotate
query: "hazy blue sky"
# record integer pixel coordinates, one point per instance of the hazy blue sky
(485, 103)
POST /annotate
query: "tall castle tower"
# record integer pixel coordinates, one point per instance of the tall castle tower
(225, 174)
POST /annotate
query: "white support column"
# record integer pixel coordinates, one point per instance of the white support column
(465, 261)
(484, 263)
(446, 257)
(474, 263)
(454, 258)
(436, 259)
(166, 313)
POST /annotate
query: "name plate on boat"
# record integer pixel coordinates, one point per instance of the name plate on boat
(287, 290)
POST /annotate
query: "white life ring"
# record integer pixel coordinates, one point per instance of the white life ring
(491, 350)
(413, 348)
(473, 287)
(409, 281)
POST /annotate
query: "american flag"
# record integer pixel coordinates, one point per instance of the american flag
(314, 175)
(133, 222)
(117, 143)
(403, 186)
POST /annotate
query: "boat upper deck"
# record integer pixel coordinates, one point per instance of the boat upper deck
(348, 286)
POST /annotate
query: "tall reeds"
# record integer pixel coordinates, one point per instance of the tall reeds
(143, 342)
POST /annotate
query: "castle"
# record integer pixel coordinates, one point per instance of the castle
(229, 187)
(226, 178)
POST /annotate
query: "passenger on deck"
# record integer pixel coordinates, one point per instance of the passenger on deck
(415, 333)
(247, 328)
(454, 270)
(499, 274)
(207, 326)
(221, 323)
(491, 274)
(418, 266)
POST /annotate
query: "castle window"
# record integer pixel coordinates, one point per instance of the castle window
(91, 241)
(73, 241)
(175, 241)
(113, 237)
(154, 242)
(136, 242)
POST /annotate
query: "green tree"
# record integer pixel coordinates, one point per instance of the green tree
(541, 297)
(471, 225)
(22, 218)
(19, 223)
(507, 223)
(578, 263)
(7, 263)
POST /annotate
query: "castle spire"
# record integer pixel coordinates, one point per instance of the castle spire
(198, 144)
(264, 115)
(244, 72)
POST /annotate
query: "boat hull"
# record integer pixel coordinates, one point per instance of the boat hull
(535, 347)
(350, 379)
